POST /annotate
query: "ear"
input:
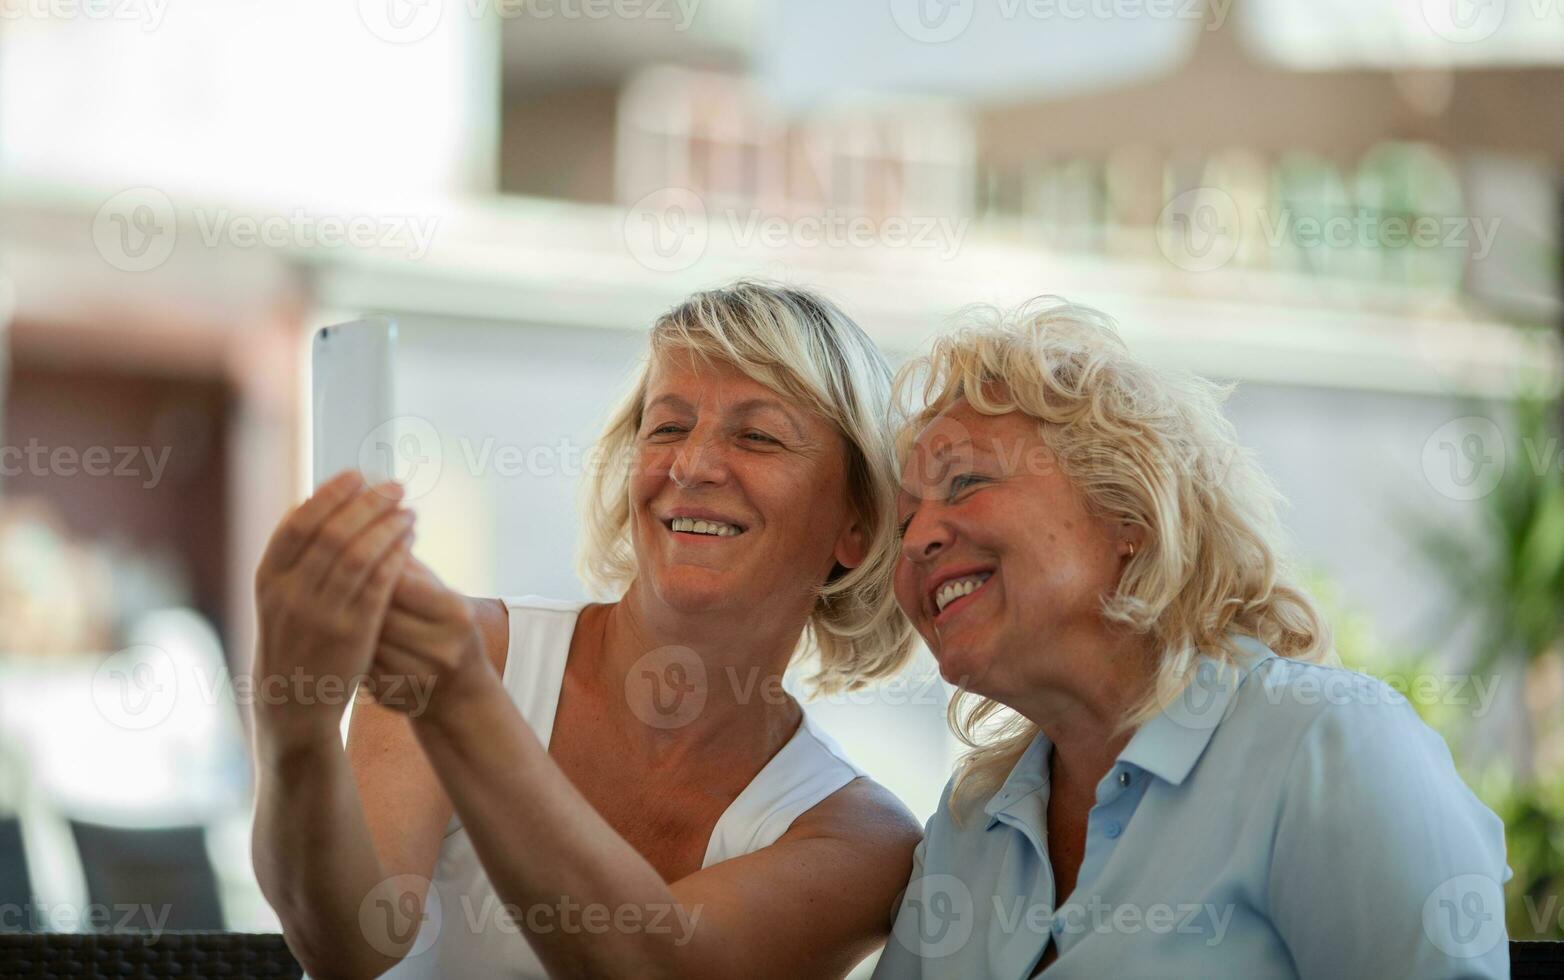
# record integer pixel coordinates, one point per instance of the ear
(1131, 539)
(852, 546)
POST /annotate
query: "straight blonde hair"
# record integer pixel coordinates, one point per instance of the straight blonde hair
(1146, 447)
(805, 349)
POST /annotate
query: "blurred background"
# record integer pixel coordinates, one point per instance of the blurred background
(1349, 208)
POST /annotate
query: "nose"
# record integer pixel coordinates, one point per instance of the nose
(926, 535)
(699, 461)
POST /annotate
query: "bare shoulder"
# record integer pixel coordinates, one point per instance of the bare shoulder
(493, 619)
(866, 814)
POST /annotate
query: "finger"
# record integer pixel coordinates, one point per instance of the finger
(375, 595)
(402, 628)
(423, 595)
(399, 679)
(294, 531)
(336, 534)
(366, 551)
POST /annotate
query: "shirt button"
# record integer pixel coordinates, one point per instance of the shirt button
(1113, 829)
(1124, 779)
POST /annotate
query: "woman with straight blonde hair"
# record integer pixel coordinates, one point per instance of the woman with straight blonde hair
(619, 789)
(1170, 776)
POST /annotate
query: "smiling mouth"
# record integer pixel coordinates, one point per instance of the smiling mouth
(702, 528)
(956, 592)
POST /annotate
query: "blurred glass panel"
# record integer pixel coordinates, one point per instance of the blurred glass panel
(1327, 34)
(309, 102)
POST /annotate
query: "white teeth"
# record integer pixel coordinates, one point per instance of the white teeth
(693, 526)
(956, 588)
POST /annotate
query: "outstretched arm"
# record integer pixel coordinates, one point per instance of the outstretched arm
(812, 904)
(321, 591)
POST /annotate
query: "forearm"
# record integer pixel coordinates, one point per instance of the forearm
(316, 862)
(546, 848)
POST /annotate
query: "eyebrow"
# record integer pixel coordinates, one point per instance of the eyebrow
(745, 407)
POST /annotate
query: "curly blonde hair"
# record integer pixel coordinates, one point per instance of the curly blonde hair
(1145, 447)
(805, 349)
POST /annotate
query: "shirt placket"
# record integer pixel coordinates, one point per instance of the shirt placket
(1087, 912)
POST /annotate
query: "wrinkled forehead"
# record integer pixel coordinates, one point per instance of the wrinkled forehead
(700, 374)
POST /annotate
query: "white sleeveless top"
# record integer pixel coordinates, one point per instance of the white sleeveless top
(465, 932)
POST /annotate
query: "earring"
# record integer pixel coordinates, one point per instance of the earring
(1132, 549)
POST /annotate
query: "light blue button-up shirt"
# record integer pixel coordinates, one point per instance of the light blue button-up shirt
(1280, 819)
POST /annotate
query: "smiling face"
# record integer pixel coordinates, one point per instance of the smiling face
(739, 498)
(1001, 563)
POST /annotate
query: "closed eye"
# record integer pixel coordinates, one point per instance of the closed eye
(964, 481)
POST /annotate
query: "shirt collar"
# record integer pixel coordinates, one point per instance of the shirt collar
(1167, 745)
(1029, 775)
(1170, 743)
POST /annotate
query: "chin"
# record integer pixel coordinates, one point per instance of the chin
(958, 663)
(690, 591)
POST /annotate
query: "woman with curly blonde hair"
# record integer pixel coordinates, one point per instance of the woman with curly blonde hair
(1169, 774)
(616, 789)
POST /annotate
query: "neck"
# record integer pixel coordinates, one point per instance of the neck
(740, 707)
(1094, 682)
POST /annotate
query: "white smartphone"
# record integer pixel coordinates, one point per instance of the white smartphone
(350, 374)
